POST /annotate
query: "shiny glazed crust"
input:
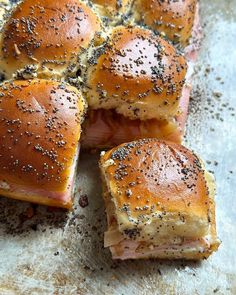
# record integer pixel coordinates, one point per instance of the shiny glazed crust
(147, 172)
(48, 34)
(149, 180)
(39, 134)
(138, 74)
(174, 18)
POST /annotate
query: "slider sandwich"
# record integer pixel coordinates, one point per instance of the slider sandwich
(135, 86)
(40, 125)
(178, 20)
(47, 38)
(159, 201)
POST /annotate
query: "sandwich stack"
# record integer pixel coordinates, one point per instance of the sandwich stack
(107, 74)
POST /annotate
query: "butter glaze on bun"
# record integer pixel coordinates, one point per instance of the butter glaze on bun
(138, 74)
(175, 18)
(47, 34)
(39, 134)
(158, 193)
(112, 8)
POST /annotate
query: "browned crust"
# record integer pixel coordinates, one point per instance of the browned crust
(184, 253)
(38, 199)
(39, 133)
(174, 18)
(47, 33)
(130, 173)
(151, 175)
(139, 74)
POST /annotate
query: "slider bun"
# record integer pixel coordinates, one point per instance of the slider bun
(48, 34)
(159, 188)
(112, 8)
(39, 133)
(196, 249)
(136, 73)
(174, 18)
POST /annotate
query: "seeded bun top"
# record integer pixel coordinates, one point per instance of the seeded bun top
(48, 34)
(149, 179)
(39, 133)
(174, 18)
(136, 73)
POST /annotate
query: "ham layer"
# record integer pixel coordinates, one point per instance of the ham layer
(192, 50)
(106, 128)
(129, 249)
(39, 195)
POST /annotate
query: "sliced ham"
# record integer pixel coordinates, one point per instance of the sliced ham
(57, 198)
(128, 249)
(106, 128)
(192, 50)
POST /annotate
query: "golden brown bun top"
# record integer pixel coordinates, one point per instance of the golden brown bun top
(47, 33)
(112, 7)
(138, 74)
(173, 17)
(39, 132)
(149, 176)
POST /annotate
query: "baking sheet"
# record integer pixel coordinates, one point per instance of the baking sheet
(50, 251)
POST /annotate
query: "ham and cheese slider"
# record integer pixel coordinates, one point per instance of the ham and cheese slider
(178, 20)
(47, 38)
(39, 140)
(136, 88)
(159, 201)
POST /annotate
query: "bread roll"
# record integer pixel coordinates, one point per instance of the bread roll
(138, 74)
(39, 140)
(174, 18)
(159, 201)
(46, 37)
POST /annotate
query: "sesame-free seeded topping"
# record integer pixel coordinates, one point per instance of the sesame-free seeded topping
(173, 18)
(39, 132)
(48, 34)
(154, 177)
(147, 75)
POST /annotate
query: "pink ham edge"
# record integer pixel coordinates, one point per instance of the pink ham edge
(101, 131)
(184, 104)
(192, 50)
(62, 197)
(97, 133)
(129, 249)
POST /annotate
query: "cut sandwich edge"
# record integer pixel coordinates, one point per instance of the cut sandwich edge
(190, 249)
(41, 196)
